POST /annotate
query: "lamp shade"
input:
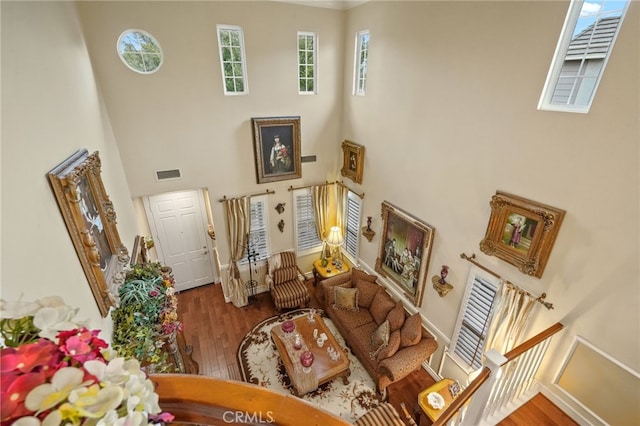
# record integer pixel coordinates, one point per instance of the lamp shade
(335, 236)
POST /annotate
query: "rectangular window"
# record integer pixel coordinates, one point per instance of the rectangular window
(586, 41)
(474, 319)
(259, 233)
(307, 240)
(307, 53)
(362, 55)
(234, 74)
(352, 227)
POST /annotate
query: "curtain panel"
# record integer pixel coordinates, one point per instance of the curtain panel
(513, 309)
(238, 212)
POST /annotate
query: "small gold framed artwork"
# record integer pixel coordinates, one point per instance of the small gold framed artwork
(521, 232)
(353, 161)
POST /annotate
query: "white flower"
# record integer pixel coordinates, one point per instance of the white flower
(17, 309)
(112, 373)
(48, 395)
(94, 401)
(53, 319)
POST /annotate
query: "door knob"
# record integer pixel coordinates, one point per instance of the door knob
(205, 252)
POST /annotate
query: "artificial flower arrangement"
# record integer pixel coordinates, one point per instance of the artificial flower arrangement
(147, 317)
(56, 371)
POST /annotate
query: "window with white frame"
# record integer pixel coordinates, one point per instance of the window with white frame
(469, 336)
(352, 226)
(259, 232)
(234, 70)
(306, 236)
(362, 56)
(307, 53)
(140, 51)
(585, 44)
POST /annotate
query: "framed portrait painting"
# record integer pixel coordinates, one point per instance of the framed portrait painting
(277, 148)
(405, 251)
(91, 222)
(352, 161)
(521, 232)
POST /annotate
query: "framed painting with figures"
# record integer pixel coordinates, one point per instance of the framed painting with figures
(352, 161)
(521, 232)
(91, 222)
(404, 252)
(277, 148)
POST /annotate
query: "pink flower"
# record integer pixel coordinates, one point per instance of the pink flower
(29, 357)
(81, 345)
(13, 391)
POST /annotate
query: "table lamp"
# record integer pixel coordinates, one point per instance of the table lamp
(335, 240)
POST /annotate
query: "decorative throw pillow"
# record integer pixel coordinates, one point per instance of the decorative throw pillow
(380, 307)
(283, 275)
(391, 348)
(411, 331)
(396, 316)
(379, 339)
(346, 298)
(358, 274)
(330, 293)
(367, 291)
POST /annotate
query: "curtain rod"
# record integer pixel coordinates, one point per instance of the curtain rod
(267, 192)
(345, 186)
(539, 299)
(291, 188)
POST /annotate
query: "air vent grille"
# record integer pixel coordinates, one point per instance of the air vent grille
(168, 174)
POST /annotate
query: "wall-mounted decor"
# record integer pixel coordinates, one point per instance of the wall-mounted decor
(277, 148)
(91, 222)
(280, 207)
(367, 231)
(440, 283)
(281, 225)
(521, 232)
(353, 161)
(405, 250)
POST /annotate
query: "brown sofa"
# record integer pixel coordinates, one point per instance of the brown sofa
(358, 307)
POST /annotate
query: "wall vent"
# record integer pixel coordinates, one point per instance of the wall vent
(168, 174)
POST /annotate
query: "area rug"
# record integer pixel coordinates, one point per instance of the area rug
(260, 364)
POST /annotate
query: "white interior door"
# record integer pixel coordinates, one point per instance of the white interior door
(177, 220)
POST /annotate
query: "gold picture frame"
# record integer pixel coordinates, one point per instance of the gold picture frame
(521, 232)
(91, 222)
(277, 148)
(405, 251)
(352, 161)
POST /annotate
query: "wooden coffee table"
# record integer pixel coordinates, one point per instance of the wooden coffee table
(323, 366)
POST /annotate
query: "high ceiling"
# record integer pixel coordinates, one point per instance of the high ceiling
(331, 4)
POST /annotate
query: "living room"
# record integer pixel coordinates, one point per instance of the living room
(449, 117)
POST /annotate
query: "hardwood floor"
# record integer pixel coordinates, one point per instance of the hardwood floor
(215, 329)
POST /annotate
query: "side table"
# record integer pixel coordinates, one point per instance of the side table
(323, 272)
(442, 387)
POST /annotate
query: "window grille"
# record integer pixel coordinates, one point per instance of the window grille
(585, 44)
(362, 56)
(307, 54)
(231, 46)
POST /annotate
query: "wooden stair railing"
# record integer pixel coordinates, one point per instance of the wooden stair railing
(485, 373)
(210, 401)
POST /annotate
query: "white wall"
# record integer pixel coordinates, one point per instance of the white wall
(50, 109)
(450, 117)
(179, 117)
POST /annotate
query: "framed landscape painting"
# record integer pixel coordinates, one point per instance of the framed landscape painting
(405, 251)
(521, 232)
(91, 222)
(277, 148)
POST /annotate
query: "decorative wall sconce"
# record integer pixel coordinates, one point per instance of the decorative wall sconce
(281, 225)
(280, 207)
(439, 282)
(367, 231)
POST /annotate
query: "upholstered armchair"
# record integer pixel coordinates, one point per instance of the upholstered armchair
(286, 288)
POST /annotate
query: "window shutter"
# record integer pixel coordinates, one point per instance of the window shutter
(258, 235)
(306, 234)
(476, 316)
(352, 232)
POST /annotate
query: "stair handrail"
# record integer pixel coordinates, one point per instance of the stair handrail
(485, 373)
